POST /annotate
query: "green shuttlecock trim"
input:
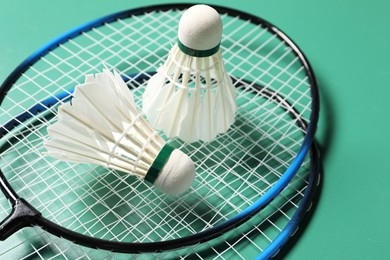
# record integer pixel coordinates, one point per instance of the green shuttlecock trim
(159, 163)
(197, 53)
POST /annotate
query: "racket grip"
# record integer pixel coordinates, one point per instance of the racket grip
(22, 215)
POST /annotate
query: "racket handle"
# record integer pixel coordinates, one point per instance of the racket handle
(22, 215)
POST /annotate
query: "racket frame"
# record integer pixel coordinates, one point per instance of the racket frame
(25, 215)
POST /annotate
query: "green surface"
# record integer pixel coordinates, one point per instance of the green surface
(347, 44)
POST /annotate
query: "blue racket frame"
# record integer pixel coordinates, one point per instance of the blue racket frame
(23, 214)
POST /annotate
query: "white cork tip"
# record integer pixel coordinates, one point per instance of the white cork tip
(177, 175)
(200, 28)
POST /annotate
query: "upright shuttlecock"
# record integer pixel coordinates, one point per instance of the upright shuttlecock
(103, 126)
(191, 96)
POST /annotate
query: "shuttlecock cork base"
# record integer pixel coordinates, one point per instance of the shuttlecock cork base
(172, 175)
(191, 96)
(103, 126)
(200, 31)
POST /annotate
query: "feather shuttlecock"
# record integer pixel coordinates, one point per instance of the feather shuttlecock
(103, 126)
(191, 95)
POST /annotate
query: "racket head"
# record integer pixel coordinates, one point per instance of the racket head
(47, 79)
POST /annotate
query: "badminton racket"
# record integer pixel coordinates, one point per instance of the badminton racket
(238, 174)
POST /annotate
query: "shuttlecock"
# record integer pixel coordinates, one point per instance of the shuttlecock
(191, 95)
(103, 126)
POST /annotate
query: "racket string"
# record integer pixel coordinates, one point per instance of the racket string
(262, 143)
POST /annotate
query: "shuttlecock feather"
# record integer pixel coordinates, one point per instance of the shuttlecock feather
(103, 126)
(191, 95)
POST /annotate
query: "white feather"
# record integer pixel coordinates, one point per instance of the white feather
(192, 97)
(103, 126)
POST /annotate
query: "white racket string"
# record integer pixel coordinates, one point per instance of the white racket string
(233, 171)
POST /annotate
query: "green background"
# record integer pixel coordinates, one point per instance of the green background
(347, 43)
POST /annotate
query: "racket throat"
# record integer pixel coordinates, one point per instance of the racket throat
(22, 215)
